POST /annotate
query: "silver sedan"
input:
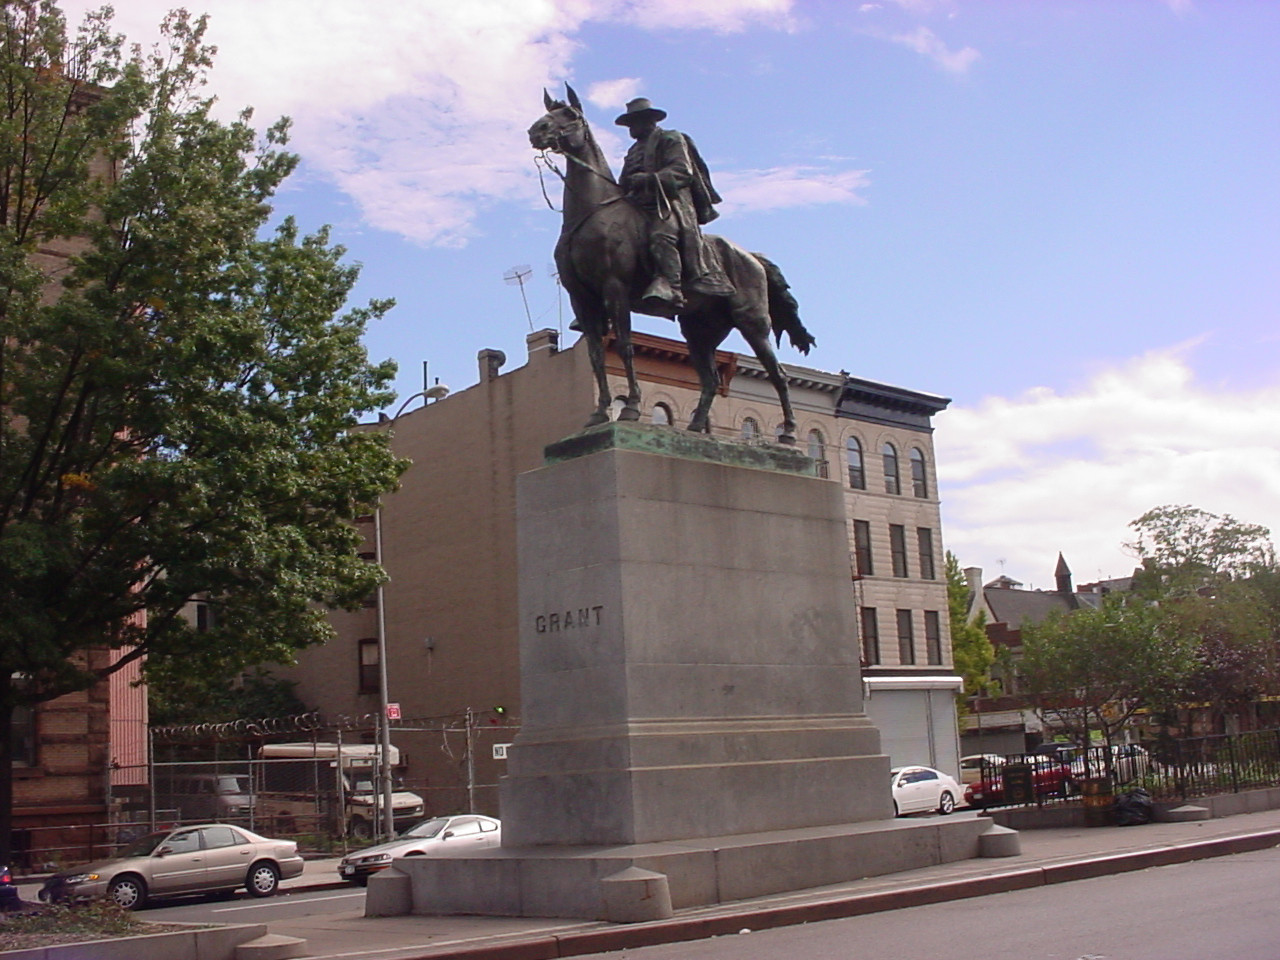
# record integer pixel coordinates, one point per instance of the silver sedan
(434, 837)
(208, 858)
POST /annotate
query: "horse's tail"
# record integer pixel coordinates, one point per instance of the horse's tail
(784, 312)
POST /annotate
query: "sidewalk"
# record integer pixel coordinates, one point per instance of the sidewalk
(1048, 856)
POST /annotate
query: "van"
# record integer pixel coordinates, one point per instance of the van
(206, 796)
(332, 786)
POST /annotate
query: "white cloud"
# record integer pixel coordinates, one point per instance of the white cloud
(613, 93)
(408, 107)
(794, 186)
(1027, 477)
(928, 44)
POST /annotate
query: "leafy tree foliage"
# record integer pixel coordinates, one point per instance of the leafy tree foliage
(1093, 668)
(182, 697)
(1184, 549)
(178, 385)
(971, 650)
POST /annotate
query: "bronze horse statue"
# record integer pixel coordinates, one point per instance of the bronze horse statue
(604, 264)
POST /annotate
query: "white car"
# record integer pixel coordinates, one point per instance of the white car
(920, 789)
(439, 835)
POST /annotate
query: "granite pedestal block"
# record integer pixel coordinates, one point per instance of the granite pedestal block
(691, 701)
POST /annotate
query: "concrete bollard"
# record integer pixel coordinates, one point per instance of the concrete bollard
(634, 895)
(998, 841)
(389, 894)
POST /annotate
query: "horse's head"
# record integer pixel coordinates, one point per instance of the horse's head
(562, 129)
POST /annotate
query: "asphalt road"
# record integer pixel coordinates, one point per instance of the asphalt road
(246, 909)
(1219, 909)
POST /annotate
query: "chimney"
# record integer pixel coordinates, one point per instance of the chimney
(973, 577)
(544, 341)
(491, 362)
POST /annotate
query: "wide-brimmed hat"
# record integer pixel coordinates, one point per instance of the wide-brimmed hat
(638, 111)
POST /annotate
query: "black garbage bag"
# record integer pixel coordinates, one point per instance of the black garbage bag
(1134, 808)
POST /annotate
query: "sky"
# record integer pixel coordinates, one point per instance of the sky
(1064, 215)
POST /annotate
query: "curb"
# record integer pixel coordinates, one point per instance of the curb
(632, 936)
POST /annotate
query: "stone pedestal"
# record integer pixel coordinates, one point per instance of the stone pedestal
(691, 704)
(689, 664)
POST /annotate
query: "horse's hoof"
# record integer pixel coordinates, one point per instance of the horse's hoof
(596, 419)
(699, 427)
(788, 439)
(629, 413)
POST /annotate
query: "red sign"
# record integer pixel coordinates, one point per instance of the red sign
(393, 711)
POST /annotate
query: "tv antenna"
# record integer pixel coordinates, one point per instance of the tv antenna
(517, 276)
(554, 274)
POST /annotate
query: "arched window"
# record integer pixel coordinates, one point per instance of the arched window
(857, 472)
(892, 482)
(750, 429)
(919, 477)
(818, 451)
(619, 404)
(661, 415)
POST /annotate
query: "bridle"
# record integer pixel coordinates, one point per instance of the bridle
(542, 160)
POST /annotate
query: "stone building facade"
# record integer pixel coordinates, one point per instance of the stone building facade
(448, 539)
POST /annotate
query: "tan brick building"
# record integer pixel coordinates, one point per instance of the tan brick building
(449, 547)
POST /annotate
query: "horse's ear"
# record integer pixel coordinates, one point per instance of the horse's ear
(546, 99)
(573, 98)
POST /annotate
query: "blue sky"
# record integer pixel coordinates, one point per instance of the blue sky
(1062, 214)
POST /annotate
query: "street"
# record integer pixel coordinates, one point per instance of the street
(1219, 909)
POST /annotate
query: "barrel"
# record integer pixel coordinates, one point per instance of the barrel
(1095, 792)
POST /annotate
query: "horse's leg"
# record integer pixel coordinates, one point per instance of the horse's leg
(591, 321)
(619, 311)
(700, 333)
(759, 341)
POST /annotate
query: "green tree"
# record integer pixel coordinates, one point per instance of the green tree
(971, 650)
(1184, 549)
(1093, 668)
(178, 385)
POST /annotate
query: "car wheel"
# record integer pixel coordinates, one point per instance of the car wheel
(896, 811)
(947, 803)
(360, 829)
(128, 892)
(263, 879)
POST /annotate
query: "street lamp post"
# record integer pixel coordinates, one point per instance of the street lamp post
(388, 827)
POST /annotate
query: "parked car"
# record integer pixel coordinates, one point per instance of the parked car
(206, 796)
(917, 789)
(208, 858)
(9, 898)
(1048, 777)
(974, 767)
(436, 836)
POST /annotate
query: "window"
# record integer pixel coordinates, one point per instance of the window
(371, 598)
(919, 478)
(661, 415)
(892, 484)
(369, 679)
(818, 452)
(857, 473)
(906, 638)
(750, 429)
(22, 743)
(862, 547)
(898, 548)
(215, 837)
(924, 541)
(870, 635)
(933, 636)
(463, 828)
(186, 842)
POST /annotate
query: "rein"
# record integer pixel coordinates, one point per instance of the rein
(541, 160)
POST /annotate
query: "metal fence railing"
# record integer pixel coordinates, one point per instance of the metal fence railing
(1166, 768)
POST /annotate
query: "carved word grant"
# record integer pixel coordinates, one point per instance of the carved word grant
(579, 619)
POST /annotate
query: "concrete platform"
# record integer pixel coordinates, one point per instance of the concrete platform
(562, 881)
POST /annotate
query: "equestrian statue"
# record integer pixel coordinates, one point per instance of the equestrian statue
(636, 245)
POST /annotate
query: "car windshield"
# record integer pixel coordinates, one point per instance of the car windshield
(427, 828)
(144, 846)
